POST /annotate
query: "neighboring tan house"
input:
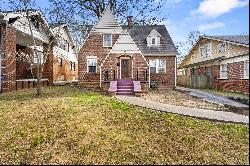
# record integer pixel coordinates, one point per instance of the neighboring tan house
(124, 58)
(224, 58)
(16, 39)
(65, 66)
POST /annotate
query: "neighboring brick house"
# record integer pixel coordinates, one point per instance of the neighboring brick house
(143, 54)
(65, 66)
(16, 39)
(224, 58)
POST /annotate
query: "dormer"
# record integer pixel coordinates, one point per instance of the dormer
(153, 39)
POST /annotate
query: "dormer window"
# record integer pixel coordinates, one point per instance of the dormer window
(107, 40)
(153, 39)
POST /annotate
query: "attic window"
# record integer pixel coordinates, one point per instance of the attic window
(153, 41)
(107, 40)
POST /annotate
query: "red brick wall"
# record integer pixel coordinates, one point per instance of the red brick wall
(166, 80)
(63, 73)
(8, 47)
(235, 81)
(92, 47)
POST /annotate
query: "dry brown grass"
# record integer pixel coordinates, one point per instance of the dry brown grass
(173, 97)
(66, 126)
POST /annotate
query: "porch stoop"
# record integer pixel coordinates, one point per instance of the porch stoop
(125, 87)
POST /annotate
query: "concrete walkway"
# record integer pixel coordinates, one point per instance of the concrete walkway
(193, 112)
(212, 98)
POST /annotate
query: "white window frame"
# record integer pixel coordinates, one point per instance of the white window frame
(221, 67)
(245, 73)
(104, 40)
(91, 58)
(157, 66)
(155, 41)
(219, 46)
(207, 54)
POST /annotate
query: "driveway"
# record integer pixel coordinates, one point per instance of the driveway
(212, 98)
(193, 112)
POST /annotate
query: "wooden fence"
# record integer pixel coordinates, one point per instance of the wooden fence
(199, 82)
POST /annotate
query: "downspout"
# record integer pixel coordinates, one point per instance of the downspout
(175, 71)
(100, 76)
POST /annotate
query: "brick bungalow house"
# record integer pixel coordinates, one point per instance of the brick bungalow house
(15, 38)
(225, 59)
(65, 66)
(127, 59)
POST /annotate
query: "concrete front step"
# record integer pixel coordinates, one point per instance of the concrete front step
(125, 93)
(125, 90)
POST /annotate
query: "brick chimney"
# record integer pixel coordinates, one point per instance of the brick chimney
(130, 21)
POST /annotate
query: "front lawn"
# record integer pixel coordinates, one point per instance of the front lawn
(67, 126)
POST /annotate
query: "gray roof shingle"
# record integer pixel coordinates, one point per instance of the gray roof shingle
(139, 34)
(240, 39)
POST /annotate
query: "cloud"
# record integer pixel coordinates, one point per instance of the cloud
(206, 27)
(215, 8)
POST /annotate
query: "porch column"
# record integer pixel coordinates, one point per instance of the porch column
(149, 77)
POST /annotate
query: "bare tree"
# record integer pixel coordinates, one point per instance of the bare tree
(184, 47)
(81, 13)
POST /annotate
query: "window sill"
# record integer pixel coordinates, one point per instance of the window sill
(107, 46)
(222, 78)
(91, 73)
(245, 78)
(158, 73)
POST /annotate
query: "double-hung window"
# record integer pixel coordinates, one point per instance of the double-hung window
(223, 71)
(222, 47)
(205, 51)
(107, 40)
(92, 65)
(246, 69)
(157, 66)
(153, 41)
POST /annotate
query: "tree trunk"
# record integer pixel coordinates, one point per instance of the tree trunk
(38, 82)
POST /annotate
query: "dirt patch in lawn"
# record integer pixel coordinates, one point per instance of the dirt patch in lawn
(173, 97)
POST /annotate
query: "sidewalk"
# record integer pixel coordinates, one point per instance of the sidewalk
(193, 112)
(212, 98)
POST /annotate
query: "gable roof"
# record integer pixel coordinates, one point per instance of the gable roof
(139, 34)
(107, 23)
(125, 44)
(236, 39)
(154, 33)
(56, 26)
(242, 40)
(12, 16)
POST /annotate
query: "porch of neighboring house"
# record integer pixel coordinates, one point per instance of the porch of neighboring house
(26, 71)
(17, 69)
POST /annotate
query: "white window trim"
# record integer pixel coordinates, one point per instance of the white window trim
(157, 66)
(223, 78)
(245, 77)
(104, 42)
(91, 58)
(207, 55)
(152, 41)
